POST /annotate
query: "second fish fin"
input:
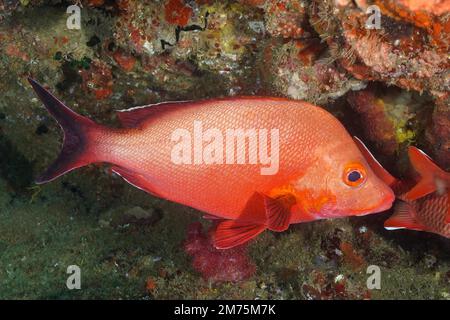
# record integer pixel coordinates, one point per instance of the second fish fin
(431, 176)
(403, 218)
(231, 233)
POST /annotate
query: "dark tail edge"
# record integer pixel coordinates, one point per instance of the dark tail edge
(74, 153)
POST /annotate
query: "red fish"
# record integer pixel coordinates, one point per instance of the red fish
(426, 205)
(307, 166)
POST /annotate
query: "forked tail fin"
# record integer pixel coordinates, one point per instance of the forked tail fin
(75, 152)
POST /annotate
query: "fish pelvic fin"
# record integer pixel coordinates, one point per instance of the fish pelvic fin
(432, 178)
(404, 218)
(75, 152)
(231, 233)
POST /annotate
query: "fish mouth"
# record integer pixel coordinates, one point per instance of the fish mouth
(384, 205)
(387, 201)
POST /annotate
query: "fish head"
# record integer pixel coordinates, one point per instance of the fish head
(346, 178)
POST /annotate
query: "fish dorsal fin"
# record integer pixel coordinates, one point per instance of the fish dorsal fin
(431, 176)
(137, 180)
(278, 211)
(231, 233)
(403, 218)
(376, 167)
(134, 117)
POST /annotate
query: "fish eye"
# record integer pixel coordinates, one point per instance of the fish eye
(354, 175)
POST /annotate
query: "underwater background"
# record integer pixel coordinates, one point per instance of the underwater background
(388, 85)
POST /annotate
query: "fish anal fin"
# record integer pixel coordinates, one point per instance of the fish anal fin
(231, 233)
(403, 218)
(278, 211)
(135, 179)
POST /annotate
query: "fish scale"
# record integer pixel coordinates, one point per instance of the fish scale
(431, 211)
(202, 186)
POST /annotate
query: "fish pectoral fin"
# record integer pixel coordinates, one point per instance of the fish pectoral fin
(278, 211)
(231, 233)
(135, 179)
(403, 218)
